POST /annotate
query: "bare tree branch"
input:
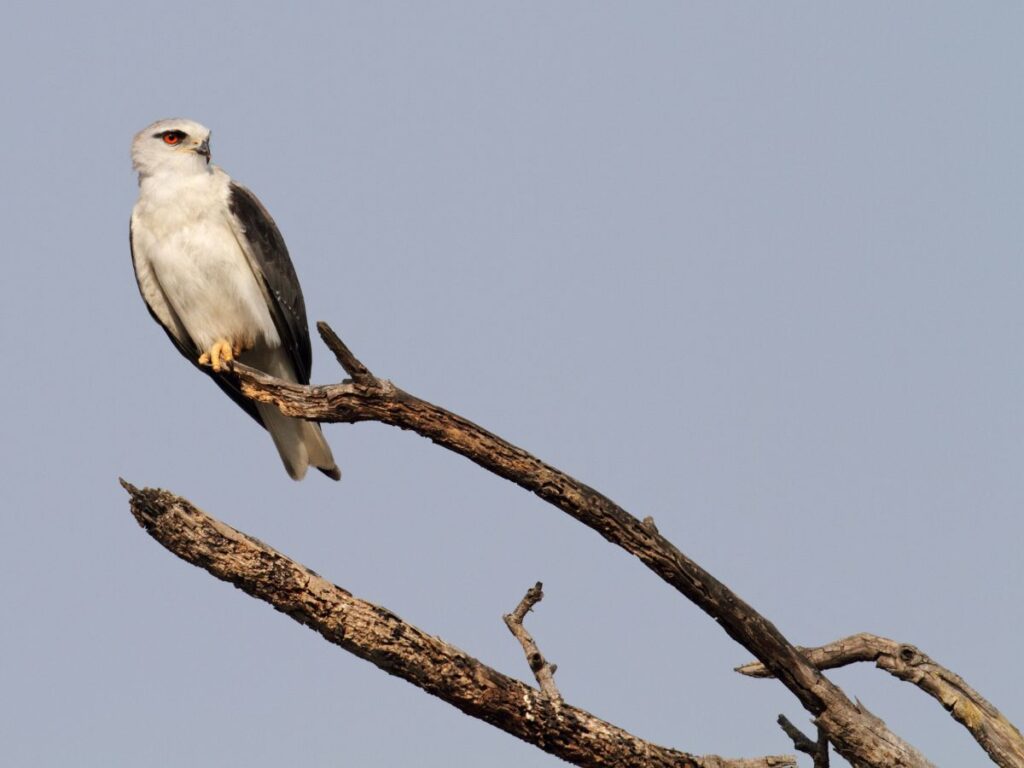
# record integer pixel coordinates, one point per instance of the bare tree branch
(855, 737)
(542, 670)
(996, 735)
(800, 741)
(350, 363)
(818, 750)
(377, 635)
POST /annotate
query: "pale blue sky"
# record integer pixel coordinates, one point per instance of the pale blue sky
(751, 268)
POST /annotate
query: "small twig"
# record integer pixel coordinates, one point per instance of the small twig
(353, 367)
(817, 750)
(800, 740)
(542, 670)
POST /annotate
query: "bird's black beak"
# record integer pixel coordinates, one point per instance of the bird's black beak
(204, 149)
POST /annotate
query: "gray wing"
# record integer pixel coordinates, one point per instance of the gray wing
(263, 245)
(161, 311)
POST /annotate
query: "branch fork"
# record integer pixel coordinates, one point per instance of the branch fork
(818, 750)
(989, 727)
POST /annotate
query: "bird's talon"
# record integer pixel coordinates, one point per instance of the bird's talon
(219, 354)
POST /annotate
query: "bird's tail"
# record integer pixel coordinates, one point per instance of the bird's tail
(299, 442)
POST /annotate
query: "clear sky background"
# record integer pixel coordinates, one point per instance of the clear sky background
(751, 268)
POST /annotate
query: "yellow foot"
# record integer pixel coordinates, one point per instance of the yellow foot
(220, 353)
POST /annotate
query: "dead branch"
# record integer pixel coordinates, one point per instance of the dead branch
(375, 634)
(368, 398)
(996, 735)
(350, 363)
(818, 750)
(542, 670)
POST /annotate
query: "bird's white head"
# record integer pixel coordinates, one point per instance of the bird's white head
(175, 146)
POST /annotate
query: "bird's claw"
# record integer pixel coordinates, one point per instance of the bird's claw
(221, 353)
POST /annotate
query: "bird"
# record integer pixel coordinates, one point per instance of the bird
(214, 272)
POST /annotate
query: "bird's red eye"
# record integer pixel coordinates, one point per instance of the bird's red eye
(172, 137)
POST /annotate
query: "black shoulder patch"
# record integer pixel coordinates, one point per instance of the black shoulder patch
(282, 283)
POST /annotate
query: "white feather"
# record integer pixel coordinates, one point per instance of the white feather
(199, 282)
(183, 235)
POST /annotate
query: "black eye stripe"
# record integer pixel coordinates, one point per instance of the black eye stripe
(179, 135)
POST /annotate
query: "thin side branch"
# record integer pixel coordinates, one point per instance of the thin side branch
(542, 670)
(855, 737)
(377, 635)
(996, 735)
(350, 363)
(818, 750)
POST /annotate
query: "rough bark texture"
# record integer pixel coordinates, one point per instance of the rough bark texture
(377, 635)
(862, 740)
(996, 735)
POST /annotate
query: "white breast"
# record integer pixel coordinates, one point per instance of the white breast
(181, 230)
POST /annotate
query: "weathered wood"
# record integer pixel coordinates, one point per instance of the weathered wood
(349, 362)
(858, 738)
(996, 735)
(542, 670)
(377, 635)
(818, 750)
